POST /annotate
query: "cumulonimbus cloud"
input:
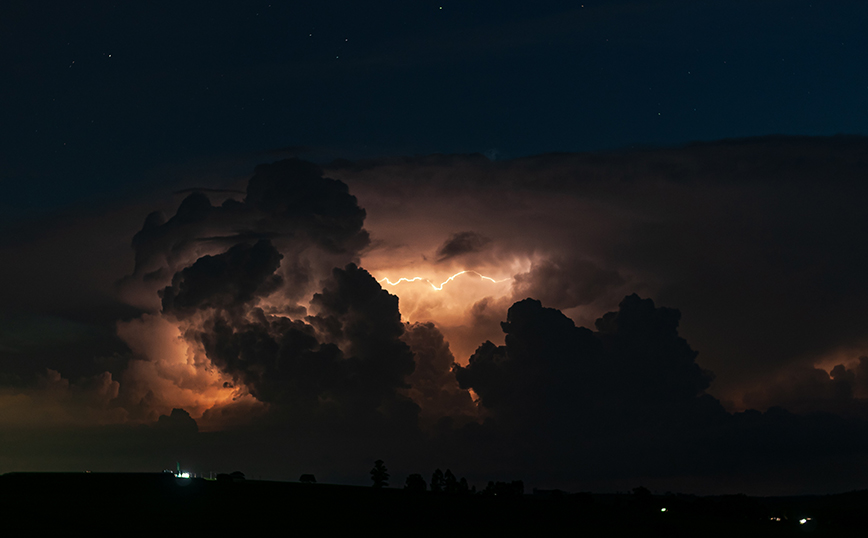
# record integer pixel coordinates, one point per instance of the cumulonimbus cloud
(261, 306)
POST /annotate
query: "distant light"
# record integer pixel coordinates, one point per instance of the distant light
(662, 509)
(803, 521)
(182, 475)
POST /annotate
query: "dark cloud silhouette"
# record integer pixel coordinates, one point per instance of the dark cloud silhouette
(347, 361)
(288, 202)
(226, 280)
(241, 276)
(553, 376)
(207, 189)
(179, 422)
(289, 196)
(462, 243)
(279, 360)
(353, 309)
(433, 385)
(627, 401)
(566, 283)
(294, 194)
(808, 390)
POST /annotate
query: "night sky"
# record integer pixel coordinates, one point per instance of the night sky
(653, 211)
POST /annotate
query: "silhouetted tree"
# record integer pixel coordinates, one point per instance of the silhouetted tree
(504, 489)
(415, 482)
(379, 474)
(641, 492)
(437, 481)
(307, 479)
(463, 489)
(450, 483)
(517, 487)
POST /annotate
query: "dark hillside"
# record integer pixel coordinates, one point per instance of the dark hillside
(113, 502)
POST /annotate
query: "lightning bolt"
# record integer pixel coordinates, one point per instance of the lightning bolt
(440, 287)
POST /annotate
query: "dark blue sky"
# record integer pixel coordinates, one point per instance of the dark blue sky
(97, 96)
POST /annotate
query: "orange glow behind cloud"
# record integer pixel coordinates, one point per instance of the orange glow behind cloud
(170, 372)
(447, 297)
(443, 298)
(447, 281)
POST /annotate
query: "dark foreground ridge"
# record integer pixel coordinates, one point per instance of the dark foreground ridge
(111, 502)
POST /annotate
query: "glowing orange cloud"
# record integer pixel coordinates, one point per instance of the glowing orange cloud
(176, 373)
(440, 287)
(467, 307)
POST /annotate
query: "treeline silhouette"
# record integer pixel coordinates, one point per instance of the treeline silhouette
(440, 483)
(446, 483)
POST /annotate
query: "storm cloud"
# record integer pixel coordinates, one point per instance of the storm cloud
(566, 283)
(633, 372)
(226, 280)
(346, 360)
(313, 221)
(630, 398)
(263, 327)
(759, 237)
(462, 243)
